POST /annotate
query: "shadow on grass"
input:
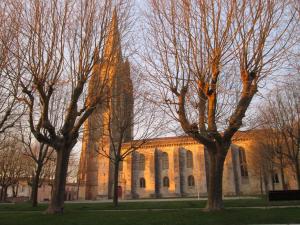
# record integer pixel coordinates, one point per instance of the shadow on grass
(259, 202)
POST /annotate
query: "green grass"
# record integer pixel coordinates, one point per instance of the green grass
(175, 213)
(180, 217)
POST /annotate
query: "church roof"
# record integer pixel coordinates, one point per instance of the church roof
(186, 140)
(112, 45)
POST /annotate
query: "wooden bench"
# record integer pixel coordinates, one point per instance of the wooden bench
(287, 195)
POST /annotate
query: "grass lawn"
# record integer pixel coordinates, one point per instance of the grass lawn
(173, 213)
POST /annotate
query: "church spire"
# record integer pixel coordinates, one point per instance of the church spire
(95, 171)
(113, 45)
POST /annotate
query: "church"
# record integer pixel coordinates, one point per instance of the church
(162, 167)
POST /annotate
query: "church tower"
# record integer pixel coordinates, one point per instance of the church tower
(103, 126)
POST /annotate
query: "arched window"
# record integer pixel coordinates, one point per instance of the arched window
(165, 161)
(142, 182)
(191, 181)
(142, 162)
(166, 182)
(243, 162)
(189, 159)
(275, 178)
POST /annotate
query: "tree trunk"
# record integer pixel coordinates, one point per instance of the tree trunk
(15, 190)
(215, 195)
(273, 184)
(116, 182)
(35, 185)
(272, 176)
(58, 192)
(282, 176)
(266, 182)
(4, 194)
(297, 173)
(1, 194)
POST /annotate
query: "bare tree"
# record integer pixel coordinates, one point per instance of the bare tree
(281, 115)
(269, 158)
(263, 168)
(40, 154)
(61, 43)
(133, 121)
(200, 54)
(13, 165)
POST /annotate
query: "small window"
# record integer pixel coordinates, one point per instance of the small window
(142, 182)
(275, 178)
(165, 161)
(166, 182)
(191, 181)
(189, 159)
(142, 162)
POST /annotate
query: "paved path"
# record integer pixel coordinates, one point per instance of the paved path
(157, 200)
(155, 210)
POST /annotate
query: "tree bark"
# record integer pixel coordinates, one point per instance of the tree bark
(116, 182)
(58, 192)
(35, 185)
(215, 180)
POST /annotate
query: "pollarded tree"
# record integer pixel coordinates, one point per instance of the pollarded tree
(61, 43)
(206, 60)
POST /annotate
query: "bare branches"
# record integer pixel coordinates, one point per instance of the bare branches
(10, 109)
(202, 48)
(132, 120)
(57, 51)
(280, 116)
(13, 165)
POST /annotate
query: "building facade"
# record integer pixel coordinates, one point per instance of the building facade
(176, 167)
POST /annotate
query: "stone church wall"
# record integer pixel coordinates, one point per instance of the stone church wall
(177, 171)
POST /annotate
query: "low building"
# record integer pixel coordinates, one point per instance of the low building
(23, 191)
